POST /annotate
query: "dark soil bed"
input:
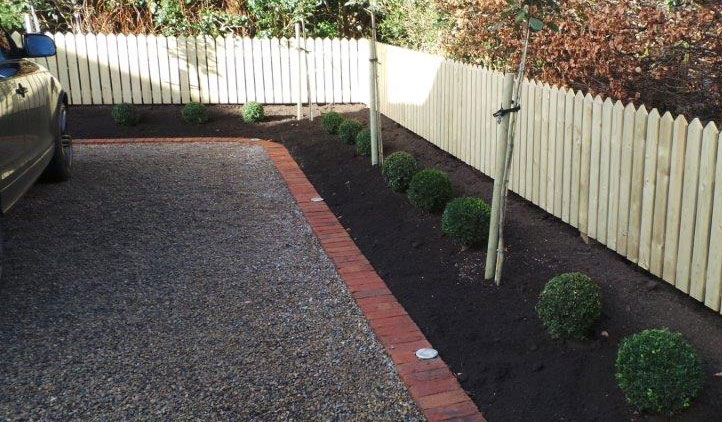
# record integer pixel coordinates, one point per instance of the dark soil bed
(490, 335)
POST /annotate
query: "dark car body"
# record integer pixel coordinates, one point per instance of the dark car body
(33, 133)
(31, 100)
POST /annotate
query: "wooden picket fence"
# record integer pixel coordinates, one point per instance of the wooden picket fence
(154, 69)
(646, 185)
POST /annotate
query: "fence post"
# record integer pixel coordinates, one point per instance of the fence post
(502, 132)
(299, 100)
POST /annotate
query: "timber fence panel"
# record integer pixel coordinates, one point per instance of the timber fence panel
(647, 186)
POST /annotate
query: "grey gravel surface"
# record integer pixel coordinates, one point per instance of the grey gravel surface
(180, 282)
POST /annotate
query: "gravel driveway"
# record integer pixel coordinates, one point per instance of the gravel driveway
(180, 282)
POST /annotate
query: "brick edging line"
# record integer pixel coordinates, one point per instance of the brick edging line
(431, 383)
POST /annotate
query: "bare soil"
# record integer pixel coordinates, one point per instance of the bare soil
(489, 335)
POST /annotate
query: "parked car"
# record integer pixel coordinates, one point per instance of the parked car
(34, 141)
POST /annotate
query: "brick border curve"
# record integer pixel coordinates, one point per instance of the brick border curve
(431, 383)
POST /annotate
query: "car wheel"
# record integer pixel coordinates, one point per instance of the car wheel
(60, 165)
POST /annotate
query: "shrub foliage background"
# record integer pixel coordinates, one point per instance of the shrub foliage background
(569, 305)
(466, 220)
(398, 169)
(658, 371)
(430, 190)
(348, 129)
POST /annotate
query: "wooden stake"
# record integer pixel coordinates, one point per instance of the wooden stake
(299, 99)
(502, 135)
(373, 90)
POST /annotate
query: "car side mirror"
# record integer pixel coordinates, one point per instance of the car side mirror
(38, 45)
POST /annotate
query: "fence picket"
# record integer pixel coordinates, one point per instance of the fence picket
(674, 201)
(544, 146)
(106, 86)
(713, 288)
(569, 102)
(705, 191)
(594, 167)
(689, 204)
(604, 166)
(114, 68)
(649, 181)
(166, 94)
(661, 193)
(221, 70)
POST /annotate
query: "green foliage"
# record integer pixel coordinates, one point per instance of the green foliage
(125, 114)
(348, 129)
(569, 305)
(194, 112)
(430, 190)
(416, 24)
(331, 121)
(398, 169)
(252, 112)
(466, 220)
(363, 142)
(11, 14)
(658, 371)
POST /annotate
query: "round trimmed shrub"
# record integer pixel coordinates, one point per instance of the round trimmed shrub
(398, 169)
(348, 129)
(363, 142)
(331, 121)
(659, 371)
(252, 112)
(430, 190)
(466, 220)
(125, 114)
(569, 305)
(194, 112)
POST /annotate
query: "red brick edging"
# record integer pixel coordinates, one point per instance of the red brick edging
(432, 385)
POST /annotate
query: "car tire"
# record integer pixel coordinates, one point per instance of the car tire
(61, 164)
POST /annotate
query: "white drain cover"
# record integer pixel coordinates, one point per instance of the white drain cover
(426, 353)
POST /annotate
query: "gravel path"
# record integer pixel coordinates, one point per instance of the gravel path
(189, 288)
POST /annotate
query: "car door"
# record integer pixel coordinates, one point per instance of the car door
(16, 152)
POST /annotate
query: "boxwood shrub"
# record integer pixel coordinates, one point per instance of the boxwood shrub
(398, 169)
(331, 121)
(430, 190)
(125, 114)
(569, 305)
(348, 129)
(194, 112)
(363, 142)
(659, 371)
(466, 220)
(252, 112)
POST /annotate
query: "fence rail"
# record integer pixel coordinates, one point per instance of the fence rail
(154, 69)
(645, 184)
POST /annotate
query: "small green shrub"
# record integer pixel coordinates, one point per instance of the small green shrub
(658, 371)
(331, 121)
(125, 114)
(194, 113)
(569, 305)
(252, 112)
(466, 220)
(430, 190)
(398, 169)
(363, 142)
(348, 129)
